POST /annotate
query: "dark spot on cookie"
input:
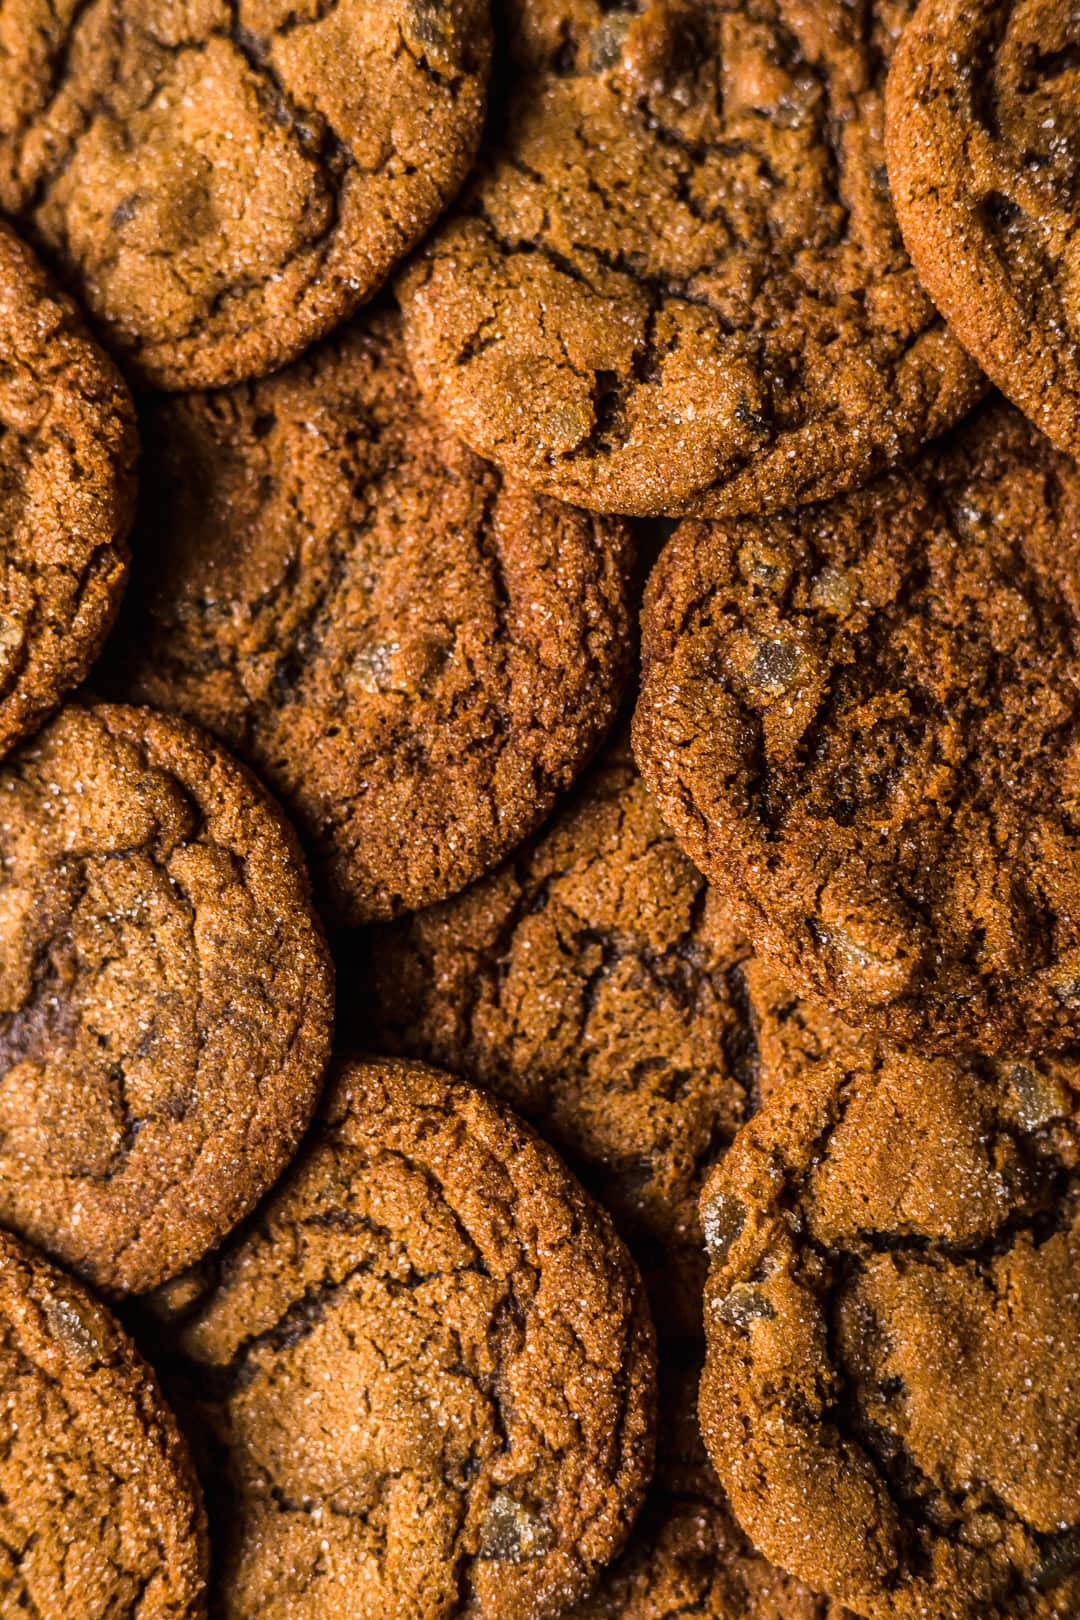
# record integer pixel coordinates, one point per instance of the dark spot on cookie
(722, 1219)
(743, 1305)
(513, 1532)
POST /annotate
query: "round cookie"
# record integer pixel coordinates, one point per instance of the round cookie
(425, 1373)
(677, 284)
(863, 720)
(983, 142)
(100, 1513)
(416, 656)
(165, 994)
(892, 1387)
(596, 983)
(67, 492)
(688, 1559)
(226, 180)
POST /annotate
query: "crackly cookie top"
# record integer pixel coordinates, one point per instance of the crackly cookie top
(224, 180)
(165, 997)
(892, 1390)
(417, 656)
(677, 284)
(67, 454)
(983, 138)
(425, 1372)
(99, 1510)
(688, 1559)
(597, 983)
(864, 721)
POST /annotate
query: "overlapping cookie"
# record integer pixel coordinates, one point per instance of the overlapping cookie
(676, 284)
(424, 1375)
(863, 721)
(416, 655)
(67, 493)
(165, 994)
(100, 1513)
(224, 181)
(892, 1389)
(983, 140)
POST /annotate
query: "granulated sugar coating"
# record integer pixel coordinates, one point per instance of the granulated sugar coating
(426, 1370)
(892, 1394)
(689, 1559)
(863, 720)
(165, 994)
(224, 180)
(983, 137)
(417, 655)
(99, 1509)
(67, 490)
(677, 283)
(598, 984)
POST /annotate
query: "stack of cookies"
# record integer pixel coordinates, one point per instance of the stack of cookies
(561, 519)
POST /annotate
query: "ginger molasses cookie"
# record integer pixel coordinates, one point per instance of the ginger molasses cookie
(67, 491)
(677, 284)
(688, 1559)
(596, 982)
(100, 1513)
(225, 181)
(165, 994)
(863, 720)
(892, 1389)
(983, 140)
(425, 1373)
(417, 656)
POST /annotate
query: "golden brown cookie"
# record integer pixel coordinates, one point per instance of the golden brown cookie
(892, 1390)
(597, 983)
(983, 141)
(688, 1559)
(677, 284)
(863, 720)
(225, 180)
(100, 1515)
(425, 1373)
(415, 655)
(165, 994)
(67, 491)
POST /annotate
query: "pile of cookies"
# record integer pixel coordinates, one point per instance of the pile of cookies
(507, 524)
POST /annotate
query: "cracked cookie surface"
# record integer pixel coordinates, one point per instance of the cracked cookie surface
(596, 983)
(225, 180)
(677, 284)
(425, 1373)
(100, 1513)
(863, 720)
(689, 1560)
(417, 656)
(67, 491)
(892, 1387)
(165, 994)
(983, 141)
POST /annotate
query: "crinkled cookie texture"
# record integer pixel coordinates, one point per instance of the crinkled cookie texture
(67, 492)
(598, 984)
(864, 721)
(688, 1559)
(225, 180)
(100, 1515)
(416, 656)
(892, 1389)
(426, 1372)
(677, 284)
(983, 142)
(165, 994)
